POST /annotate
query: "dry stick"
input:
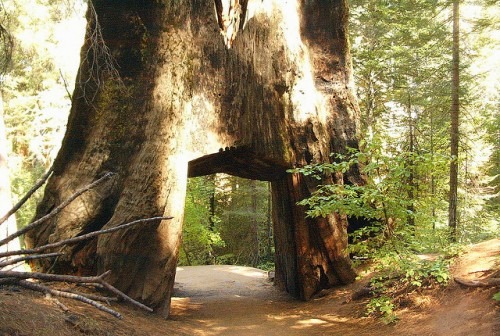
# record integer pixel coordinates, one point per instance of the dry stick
(55, 292)
(94, 297)
(66, 86)
(80, 238)
(58, 303)
(75, 279)
(23, 200)
(38, 256)
(54, 212)
(125, 296)
(8, 281)
(53, 277)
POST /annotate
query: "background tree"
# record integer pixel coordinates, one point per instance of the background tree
(401, 77)
(46, 37)
(455, 120)
(9, 225)
(402, 56)
(242, 206)
(227, 220)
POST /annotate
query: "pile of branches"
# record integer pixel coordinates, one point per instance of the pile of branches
(39, 281)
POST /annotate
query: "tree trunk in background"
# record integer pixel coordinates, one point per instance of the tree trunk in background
(454, 131)
(411, 166)
(269, 223)
(255, 224)
(279, 98)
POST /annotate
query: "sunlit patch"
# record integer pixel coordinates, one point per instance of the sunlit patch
(199, 104)
(282, 317)
(291, 26)
(258, 7)
(248, 272)
(308, 102)
(422, 301)
(311, 322)
(178, 300)
(334, 318)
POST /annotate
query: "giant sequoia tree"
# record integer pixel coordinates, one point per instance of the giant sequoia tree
(273, 92)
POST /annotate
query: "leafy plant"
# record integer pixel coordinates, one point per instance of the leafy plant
(383, 307)
(399, 274)
(387, 200)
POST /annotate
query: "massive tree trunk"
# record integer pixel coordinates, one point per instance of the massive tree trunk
(279, 97)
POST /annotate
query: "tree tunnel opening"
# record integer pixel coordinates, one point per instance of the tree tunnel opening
(228, 220)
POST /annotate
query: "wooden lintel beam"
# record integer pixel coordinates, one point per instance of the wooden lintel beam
(238, 162)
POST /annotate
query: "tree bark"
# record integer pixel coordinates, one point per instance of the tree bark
(279, 98)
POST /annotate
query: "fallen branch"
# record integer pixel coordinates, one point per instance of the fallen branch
(54, 212)
(23, 200)
(73, 279)
(8, 281)
(20, 278)
(53, 277)
(80, 238)
(55, 292)
(58, 303)
(124, 296)
(489, 282)
(25, 258)
(94, 297)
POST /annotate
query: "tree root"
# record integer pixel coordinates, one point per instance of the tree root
(489, 282)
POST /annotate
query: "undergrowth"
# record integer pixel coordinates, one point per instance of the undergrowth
(400, 269)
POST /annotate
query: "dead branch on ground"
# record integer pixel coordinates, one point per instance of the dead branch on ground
(107, 299)
(27, 279)
(55, 292)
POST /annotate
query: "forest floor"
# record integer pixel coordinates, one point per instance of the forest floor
(234, 300)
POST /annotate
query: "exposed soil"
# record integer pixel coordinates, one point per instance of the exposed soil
(233, 300)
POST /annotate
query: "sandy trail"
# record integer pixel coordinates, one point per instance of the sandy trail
(234, 300)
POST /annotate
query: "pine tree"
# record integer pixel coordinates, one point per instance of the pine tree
(454, 129)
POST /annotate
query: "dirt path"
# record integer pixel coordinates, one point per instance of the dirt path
(233, 300)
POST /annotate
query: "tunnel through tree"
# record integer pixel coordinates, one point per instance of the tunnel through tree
(281, 94)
